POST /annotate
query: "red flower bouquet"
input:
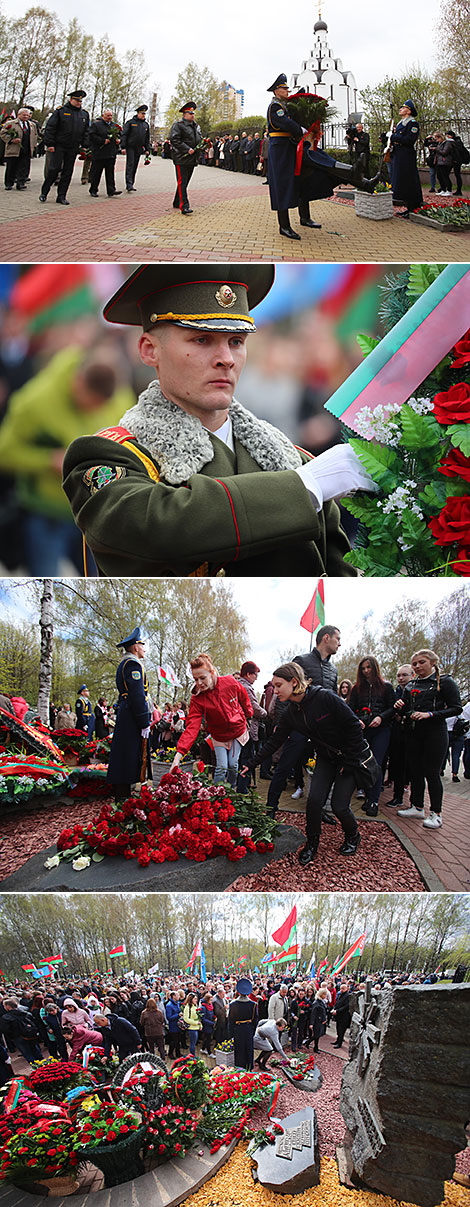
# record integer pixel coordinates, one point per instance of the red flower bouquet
(45, 1150)
(182, 817)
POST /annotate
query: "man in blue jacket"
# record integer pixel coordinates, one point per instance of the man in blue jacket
(118, 1033)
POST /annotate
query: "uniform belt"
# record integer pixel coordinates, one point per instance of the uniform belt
(279, 134)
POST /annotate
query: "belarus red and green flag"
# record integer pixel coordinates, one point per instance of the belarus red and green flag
(314, 617)
(411, 350)
(120, 950)
(28, 967)
(288, 953)
(53, 960)
(286, 934)
(356, 950)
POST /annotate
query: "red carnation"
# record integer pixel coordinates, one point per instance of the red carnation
(453, 406)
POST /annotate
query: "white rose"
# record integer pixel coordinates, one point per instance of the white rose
(82, 862)
(52, 862)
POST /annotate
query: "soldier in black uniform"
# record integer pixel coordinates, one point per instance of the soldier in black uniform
(129, 761)
(184, 137)
(404, 174)
(135, 139)
(242, 1023)
(318, 171)
(66, 131)
(84, 711)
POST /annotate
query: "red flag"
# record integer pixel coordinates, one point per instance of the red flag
(285, 931)
(314, 617)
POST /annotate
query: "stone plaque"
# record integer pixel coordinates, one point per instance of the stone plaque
(294, 1138)
(293, 1163)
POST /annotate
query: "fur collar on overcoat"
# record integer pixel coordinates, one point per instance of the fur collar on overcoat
(181, 446)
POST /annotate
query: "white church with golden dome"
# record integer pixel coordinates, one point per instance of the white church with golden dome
(324, 74)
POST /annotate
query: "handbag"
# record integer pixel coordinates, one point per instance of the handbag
(460, 728)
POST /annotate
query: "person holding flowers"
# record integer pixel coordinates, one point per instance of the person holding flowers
(105, 140)
(427, 702)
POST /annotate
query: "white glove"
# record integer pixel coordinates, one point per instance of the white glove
(144, 733)
(335, 473)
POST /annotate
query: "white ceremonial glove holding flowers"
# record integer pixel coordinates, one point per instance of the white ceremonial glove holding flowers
(335, 473)
(144, 733)
(176, 761)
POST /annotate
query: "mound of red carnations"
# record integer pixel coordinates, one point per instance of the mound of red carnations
(183, 817)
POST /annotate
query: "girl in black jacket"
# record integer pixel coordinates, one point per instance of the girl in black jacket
(319, 714)
(373, 699)
(428, 700)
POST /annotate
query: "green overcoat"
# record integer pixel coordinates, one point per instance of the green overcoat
(161, 496)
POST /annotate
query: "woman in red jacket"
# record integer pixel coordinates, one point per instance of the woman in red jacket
(224, 705)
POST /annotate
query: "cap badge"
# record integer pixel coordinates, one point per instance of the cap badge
(226, 296)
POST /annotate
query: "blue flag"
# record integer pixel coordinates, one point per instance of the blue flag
(256, 969)
(203, 966)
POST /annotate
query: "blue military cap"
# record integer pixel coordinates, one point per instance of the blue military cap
(83, 688)
(412, 108)
(136, 635)
(244, 985)
(281, 82)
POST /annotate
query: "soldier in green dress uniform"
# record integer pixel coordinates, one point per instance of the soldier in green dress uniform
(190, 482)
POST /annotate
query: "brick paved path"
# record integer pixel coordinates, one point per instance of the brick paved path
(232, 220)
(442, 856)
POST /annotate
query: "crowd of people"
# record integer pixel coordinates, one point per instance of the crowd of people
(68, 132)
(175, 1013)
(349, 736)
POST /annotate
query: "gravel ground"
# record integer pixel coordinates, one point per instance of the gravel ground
(325, 1101)
(26, 835)
(381, 865)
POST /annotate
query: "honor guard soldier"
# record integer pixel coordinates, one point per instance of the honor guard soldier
(404, 174)
(242, 1023)
(185, 136)
(190, 482)
(84, 711)
(65, 132)
(319, 172)
(129, 761)
(135, 140)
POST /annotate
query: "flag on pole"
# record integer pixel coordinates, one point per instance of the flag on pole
(196, 952)
(28, 967)
(241, 960)
(168, 675)
(286, 954)
(268, 958)
(411, 350)
(286, 933)
(322, 967)
(120, 950)
(53, 960)
(203, 965)
(311, 967)
(356, 949)
(314, 617)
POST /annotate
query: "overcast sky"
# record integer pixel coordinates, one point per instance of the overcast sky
(274, 606)
(249, 47)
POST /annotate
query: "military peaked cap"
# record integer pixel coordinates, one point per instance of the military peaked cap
(281, 82)
(136, 635)
(78, 95)
(209, 297)
(188, 105)
(412, 108)
(244, 985)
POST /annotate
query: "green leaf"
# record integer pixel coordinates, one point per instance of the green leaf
(460, 437)
(367, 343)
(369, 565)
(421, 277)
(96, 857)
(364, 509)
(419, 431)
(414, 530)
(433, 497)
(72, 853)
(456, 486)
(381, 462)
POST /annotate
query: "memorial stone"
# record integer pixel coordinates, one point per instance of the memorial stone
(405, 1093)
(292, 1164)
